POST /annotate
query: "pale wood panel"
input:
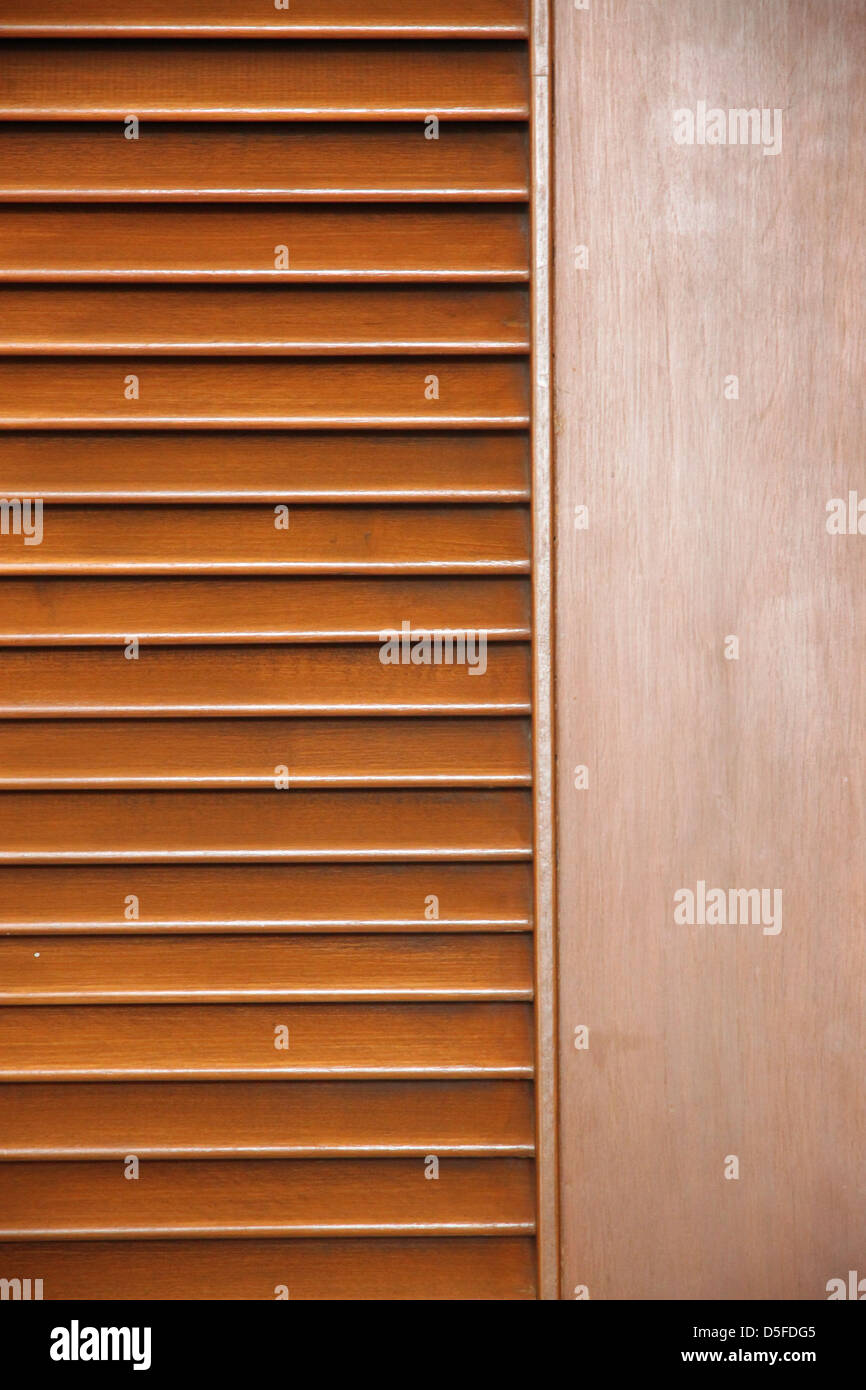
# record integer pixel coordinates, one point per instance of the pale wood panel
(707, 518)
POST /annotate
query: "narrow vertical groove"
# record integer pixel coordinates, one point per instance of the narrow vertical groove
(547, 1215)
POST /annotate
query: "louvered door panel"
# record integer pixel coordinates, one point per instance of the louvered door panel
(267, 895)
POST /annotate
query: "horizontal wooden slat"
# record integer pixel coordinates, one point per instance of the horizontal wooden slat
(285, 467)
(268, 1197)
(305, 18)
(265, 540)
(149, 1041)
(229, 163)
(252, 1119)
(437, 1269)
(335, 825)
(209, 243)
(205, 898)
(224, 610)
(259, 81)
(232, 319)
(249, 969)
(57, 392)
(200, 753)
(255, 681)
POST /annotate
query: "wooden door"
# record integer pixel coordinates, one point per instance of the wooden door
(267, 890)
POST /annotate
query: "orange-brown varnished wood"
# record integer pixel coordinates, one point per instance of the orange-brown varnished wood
(267, 898)
(262, 321)
(268, 1197)
(199, 753)
(255, 680)
(226, 610)
(258, 81)
(65, 162)
(248, 969)
(150, 1041)
(100, 466)
(198, 242)
(205, 898)
(497, 1268)
(175, 392)
(273, 540)
(305, 18)
(252, 1119)
(254, 825)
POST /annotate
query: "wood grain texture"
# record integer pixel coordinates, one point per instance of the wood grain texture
(247, 969)
(275, 825)
(106, 321)
(255, 680)
(277, 898)
(226, 610)
(543, 535)
(103, 466)
(326, 393)
(260, 1197)
(155, 1041)
(266, 904)
(139, 540)
(304, 19)
(707, 519)
(388, 242)
(92, 162)
(498, 1268)
(252, 1119)
(189, 80)
(242, 753)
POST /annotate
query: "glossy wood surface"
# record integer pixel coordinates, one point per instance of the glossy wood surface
(191, 80)
(212, 244)
(266, 901)
(378, 1269)
(225, 1119)
(199, 753)
(266, 897)
(254, 680)
(263, 321)
(263, 162)
(276, 467)
(180, 1041)
(320, 968)
(304, 18)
